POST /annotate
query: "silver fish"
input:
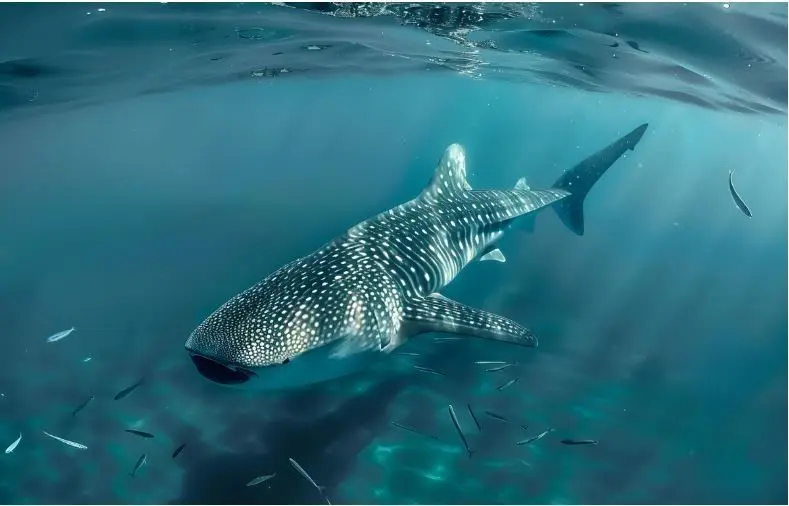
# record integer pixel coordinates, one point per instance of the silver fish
(260, 479)
(508, 384)
(429, 371)
(140, 462)
(460, 431)
(412, 430)
(737, 199)
(60, 335)
(306, 476)
(73, 444)
(407, 353)
(13, 445)
(489, 362)
(500, 368)
(535, 438)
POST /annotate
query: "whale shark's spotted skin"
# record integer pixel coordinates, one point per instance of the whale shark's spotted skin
(377, 284)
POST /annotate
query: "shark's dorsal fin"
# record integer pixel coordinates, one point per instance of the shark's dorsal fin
(449, 178)
(521, 184)
(436, 313)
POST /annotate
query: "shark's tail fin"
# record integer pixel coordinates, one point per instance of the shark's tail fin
(580, 179)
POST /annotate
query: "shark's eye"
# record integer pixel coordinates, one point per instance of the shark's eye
(285, 361)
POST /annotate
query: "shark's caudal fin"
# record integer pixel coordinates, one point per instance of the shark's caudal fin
(437, 313)
(580, 179)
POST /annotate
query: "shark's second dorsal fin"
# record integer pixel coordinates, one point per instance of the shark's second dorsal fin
(449, 177)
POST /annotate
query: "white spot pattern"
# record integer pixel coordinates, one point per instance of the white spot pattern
(363, 285)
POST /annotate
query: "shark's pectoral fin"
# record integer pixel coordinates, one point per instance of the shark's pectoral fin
(437, 313)
(494, 255)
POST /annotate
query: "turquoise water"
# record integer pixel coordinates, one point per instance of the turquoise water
(662, 329)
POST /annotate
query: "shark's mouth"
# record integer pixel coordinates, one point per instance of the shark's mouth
(221, 373)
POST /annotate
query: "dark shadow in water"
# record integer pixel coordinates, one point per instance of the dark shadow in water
(326, 447)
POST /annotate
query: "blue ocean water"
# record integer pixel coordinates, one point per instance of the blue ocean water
(157, 159)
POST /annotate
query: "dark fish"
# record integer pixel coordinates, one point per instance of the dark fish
(140, 433)
(502, 419)
(83, 405)
(580, 442)
(178, 450)
(534, 438)
(508, 384)
(460, 431)
(410, 429)
(429, 371)
(500, 368)
(140, 462)
(408, 353)
(126, 391)
(496, 416)
(736, 196)
(635, 46)
(474, 417)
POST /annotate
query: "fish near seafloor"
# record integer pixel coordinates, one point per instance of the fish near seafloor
(361, 295)
(13, 445)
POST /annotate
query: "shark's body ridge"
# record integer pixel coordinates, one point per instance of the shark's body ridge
(370, 289)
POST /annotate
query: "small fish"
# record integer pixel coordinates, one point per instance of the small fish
(460, 431)
(126, 391)
(496, 416)
(13, 445)
(502, 419)
(408, 353)
(736, 196)
(140, 433)
(410, 429)
(440, 339)
(306, 476)
(140, 462)
(260, 479)
(508, 384)
(474, 417)
(59, 335)
(78, 446)
(87, 359)
(429, 371)
(83, 405)
(500, 368)
(178, 450)
(580, 442)
(490, 362)
(534, 438)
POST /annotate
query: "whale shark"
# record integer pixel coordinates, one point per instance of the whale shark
(360, 296)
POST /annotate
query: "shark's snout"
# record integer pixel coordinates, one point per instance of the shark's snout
(220, 373)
